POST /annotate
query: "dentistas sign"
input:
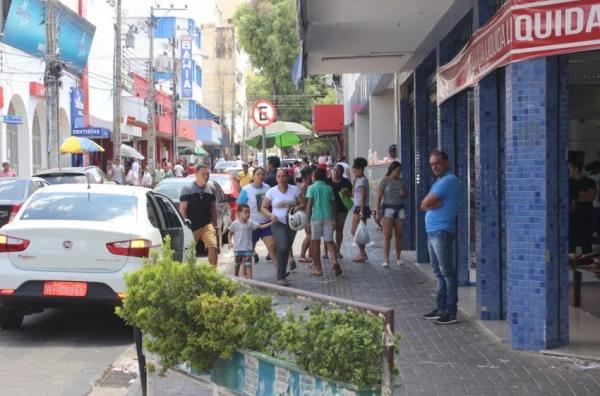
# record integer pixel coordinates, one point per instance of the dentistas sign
(522, 30)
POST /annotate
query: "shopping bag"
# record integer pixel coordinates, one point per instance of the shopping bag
(361, 237)
(346, 200)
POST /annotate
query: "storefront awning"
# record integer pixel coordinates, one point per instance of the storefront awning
(353, 36)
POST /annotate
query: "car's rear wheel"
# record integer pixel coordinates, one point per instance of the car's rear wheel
(11, 319)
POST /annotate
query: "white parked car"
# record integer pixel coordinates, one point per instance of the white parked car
(70, 245)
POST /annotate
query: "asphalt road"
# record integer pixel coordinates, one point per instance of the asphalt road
(60, 352)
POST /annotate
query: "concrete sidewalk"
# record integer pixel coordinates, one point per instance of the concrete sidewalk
(459, 359)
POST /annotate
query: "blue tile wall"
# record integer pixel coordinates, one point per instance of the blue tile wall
(453, 126)
(562, 204)
(407, 151)
(535, 147)
(461, 169)
(490, 184)
(502, 182)
(421, 145)
(489, 271)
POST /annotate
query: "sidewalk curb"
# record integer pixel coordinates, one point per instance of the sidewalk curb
(119, 377)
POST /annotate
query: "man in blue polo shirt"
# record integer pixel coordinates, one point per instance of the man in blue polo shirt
(441, 206)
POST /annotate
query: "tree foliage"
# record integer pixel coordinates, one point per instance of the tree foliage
(267, 32)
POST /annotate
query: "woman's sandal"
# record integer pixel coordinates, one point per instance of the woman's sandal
(317, 273)
(304, 260)
(283, 282)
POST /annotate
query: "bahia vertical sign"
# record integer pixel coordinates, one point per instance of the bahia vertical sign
(187, 68)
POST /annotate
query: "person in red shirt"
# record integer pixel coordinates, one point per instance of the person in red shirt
(7, 171)
(191, 169)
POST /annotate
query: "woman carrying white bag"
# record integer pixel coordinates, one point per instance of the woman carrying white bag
(361, 211)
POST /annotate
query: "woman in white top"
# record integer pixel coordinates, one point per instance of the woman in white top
(275, 206)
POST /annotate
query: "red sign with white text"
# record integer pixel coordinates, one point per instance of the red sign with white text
(37, 89)
(522, 30)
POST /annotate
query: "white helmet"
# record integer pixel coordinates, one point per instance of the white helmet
(296, 219)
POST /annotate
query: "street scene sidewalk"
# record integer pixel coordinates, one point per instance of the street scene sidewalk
(458, 359)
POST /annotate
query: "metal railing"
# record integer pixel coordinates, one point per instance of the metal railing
(386, 314)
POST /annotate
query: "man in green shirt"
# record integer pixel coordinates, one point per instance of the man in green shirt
(320, 210)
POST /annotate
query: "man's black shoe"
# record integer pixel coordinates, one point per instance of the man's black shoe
(446, 319)
(293, 265)
(255, 258)
(433, 315)
(268, 258)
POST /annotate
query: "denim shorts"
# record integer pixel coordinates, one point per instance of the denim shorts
(393, 212)
(260, 234)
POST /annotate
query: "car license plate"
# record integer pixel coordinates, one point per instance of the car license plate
(65, 289)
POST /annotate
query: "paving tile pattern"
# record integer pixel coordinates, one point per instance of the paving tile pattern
(461, 359)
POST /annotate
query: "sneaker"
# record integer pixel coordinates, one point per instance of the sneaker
(446, 319)
(399, 262)
(325, 256)
(255, 258)
(385, 264)
(292, 265)
(268, 258)
(433, 315)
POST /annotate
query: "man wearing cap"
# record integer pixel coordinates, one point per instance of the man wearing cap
(393, 156)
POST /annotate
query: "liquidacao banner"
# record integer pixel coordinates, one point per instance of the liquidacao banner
(25, 29)
(522, 30)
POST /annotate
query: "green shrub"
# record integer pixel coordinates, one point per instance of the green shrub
(189, 312)
(339, 345)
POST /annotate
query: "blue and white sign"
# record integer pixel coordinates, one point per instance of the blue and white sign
(96, 133)
(77, 120)
(12, 119)
(25, 29)
(187, 68)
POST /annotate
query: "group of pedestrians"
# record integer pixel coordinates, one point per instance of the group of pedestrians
(272, 209)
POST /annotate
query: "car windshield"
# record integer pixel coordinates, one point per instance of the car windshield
(81, 206)
(13, 190)
(65, 178)
(224, 182)
(171, 189)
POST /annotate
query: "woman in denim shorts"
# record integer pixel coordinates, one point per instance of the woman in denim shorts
(390, 201)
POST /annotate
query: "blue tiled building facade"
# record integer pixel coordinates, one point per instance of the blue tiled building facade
(506, 140)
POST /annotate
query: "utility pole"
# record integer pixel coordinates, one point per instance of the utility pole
(151, 99)
(152, 90)
(118, 87)
(175, 93)
(51, 81)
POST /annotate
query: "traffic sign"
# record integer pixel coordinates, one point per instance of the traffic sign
(264, 113)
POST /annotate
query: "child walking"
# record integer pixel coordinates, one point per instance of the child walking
(240, 233)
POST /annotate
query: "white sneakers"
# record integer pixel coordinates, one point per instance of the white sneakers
(385, 264)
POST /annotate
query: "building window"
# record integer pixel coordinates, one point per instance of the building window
(36, 144)
(198, 75)
(12, 140)
(198, 38)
